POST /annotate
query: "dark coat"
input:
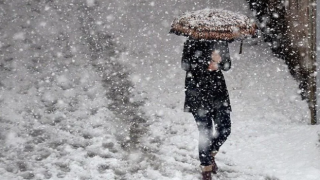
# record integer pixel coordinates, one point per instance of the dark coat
(205, 90)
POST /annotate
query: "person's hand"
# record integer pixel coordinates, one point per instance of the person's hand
(216, 59)
(213, 66)
(216, 56)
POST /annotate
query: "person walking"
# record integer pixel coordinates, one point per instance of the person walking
(206, 96)
(205, 55)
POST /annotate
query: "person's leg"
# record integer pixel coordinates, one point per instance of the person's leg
(223, 127)
(205, 127)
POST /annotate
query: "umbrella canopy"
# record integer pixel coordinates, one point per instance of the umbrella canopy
(214, 24)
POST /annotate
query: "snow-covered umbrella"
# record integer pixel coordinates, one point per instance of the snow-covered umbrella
(213, 24)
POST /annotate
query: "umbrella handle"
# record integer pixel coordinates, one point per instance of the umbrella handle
(240, 52)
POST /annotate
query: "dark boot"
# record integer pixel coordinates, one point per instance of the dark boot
(206, 172)
(214, 164)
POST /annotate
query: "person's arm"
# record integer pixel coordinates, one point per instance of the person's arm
(225, 63)
(186, 56)
(220, 57)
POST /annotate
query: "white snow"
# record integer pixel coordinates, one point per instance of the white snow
(19, 36)
(61, 118)
(208, 17)
(90, 3)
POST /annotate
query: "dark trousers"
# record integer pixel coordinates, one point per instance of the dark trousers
(208, 141)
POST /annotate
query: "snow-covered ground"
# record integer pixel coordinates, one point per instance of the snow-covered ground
(80, 80)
